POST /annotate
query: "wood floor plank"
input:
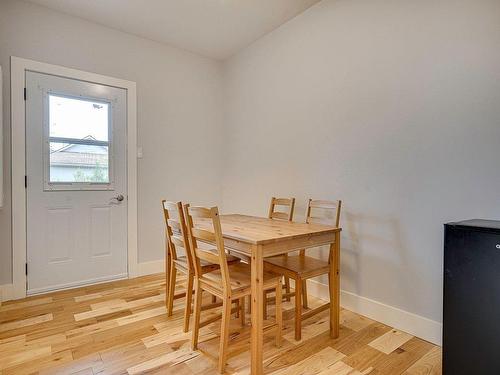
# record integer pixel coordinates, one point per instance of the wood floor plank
(172, 358)
(38, 364)
(93, 361)
(88, 297)
(339, 368)
(13, 359)
(12, 343)
(360, 339)
(21, 346)
(114, 338)
(429, 364)
(109, 309)
(26, 322)
(354, 321)
(403, 357)
(296, 353)
(365, 358)
(390, 341)
(87, 371)
(108, 303)
(24, 305)
(141, 315)
(175, 335)
(11, 339)
(118, 359)
(92, 328)
(313, 364)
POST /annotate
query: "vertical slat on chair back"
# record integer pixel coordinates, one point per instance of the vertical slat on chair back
(327, 207)
(289, 203)
(176, 230)
(203, 225)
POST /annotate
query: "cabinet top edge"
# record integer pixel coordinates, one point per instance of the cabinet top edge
(479, 224)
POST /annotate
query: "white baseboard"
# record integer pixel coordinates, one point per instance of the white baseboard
(413, 324)
(6, 292)
(148, 268)
(78, 284)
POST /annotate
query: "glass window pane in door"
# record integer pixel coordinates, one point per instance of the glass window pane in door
(76, 118)
(73, 163)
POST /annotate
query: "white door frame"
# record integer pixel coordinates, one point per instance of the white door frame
(18, 68)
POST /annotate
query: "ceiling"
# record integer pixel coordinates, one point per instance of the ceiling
(213, 28)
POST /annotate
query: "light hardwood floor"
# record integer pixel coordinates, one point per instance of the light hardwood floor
(122, 328)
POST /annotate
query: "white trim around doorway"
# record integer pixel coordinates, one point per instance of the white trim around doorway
(19, 66)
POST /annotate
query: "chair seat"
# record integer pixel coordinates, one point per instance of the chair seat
(301, 266)
(240, 278)
(182, 262)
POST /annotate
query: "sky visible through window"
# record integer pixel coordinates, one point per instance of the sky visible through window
(79, 119)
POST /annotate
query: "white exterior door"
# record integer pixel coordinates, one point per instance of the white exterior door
(76, 137)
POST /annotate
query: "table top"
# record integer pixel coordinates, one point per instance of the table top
(258, 230)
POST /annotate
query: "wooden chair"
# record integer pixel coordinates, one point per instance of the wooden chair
(176, 237)
(288, 203)
(287, 214)
(228, 283)
(302, 267)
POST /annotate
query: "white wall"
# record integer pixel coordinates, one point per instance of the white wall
(178, 101)
(392, 106)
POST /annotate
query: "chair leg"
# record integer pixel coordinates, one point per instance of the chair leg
(168, 271)
(196, 318)
(171, 290)
(304, 294)
(237, 305)
(189, 297)
(224, 333)
(298, 309)
(331, 289)
(264, 305)
(242, 311)
(279, 313)
(287, 287)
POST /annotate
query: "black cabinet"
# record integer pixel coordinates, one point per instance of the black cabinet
(471, 317)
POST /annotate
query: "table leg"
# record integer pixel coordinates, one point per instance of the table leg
(335, 286)
(167, 270)
(257, 267)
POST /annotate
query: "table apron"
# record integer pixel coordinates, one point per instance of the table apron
(281, 247)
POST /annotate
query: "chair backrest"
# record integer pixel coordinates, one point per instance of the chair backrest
(288, 203)
(203, 225)
(331, 212)
(176, 230)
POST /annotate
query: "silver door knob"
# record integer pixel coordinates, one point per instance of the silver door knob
(119, 197)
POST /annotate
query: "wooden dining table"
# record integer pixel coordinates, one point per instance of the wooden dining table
(257, 238)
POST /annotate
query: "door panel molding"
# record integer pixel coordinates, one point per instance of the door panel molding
(100, 231)
(59, 250)
(19, 67)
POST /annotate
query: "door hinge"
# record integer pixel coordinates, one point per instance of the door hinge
(25, 181)
(25, 93)
(26, 269)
